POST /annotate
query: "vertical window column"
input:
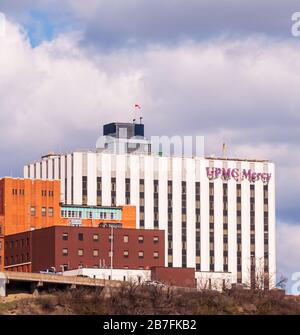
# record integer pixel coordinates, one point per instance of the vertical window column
(113, 191)
(84, 190)
(170, 223)
(225, 227)
(239, 231)
(211, 227)
(156, 204)
(142, 203)
(197, 222)
(252, 235)
(66, 179)
(127, 191)
(183, 223)
(266, 236)
(99, 191)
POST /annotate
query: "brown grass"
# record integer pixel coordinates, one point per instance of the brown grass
(132, 299)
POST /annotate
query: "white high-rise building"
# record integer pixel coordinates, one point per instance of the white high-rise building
(218, 213)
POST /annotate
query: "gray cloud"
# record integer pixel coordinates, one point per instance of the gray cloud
(131, 23)
(288, 238)
(140, 22)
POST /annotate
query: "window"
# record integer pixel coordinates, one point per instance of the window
(65, 252)
(126, 254)
(96, 237)
(155, 254)
(95, 252)
(32, 211)
(155, 239)
(141, 254)
(141, 239)
(50, 211)
(43, 211)
(126, 238)
(65, 236)
(80, 236)
(80, 252)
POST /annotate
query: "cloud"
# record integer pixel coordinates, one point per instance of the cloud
(288, 239)
(54, 95)
(139, 22)
(136, 23)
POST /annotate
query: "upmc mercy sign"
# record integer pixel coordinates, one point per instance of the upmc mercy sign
(237, 174)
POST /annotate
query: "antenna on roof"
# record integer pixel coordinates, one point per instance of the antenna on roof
(141, 118)
(224, 150)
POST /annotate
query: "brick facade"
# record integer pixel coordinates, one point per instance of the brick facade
(27, 204)
(73, 247)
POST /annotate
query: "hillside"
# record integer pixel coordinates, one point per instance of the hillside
(131, 299)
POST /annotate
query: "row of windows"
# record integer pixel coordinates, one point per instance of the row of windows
(18, 259)
(43, 211)
(142, 190)
(17, 243)
(78, 214)
(65, 267)
(126, 239)
(18, 191)
(50, 193)
(80, 252)
(21, 191)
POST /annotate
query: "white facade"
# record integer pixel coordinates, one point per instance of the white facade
(115, 274)
(205, 280)
(227, 249)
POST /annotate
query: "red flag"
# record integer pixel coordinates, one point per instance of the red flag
(137, 106)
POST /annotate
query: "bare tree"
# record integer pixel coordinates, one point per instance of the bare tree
(261, 279)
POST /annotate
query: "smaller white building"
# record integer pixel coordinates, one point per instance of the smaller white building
(114, 274)
(205, 280)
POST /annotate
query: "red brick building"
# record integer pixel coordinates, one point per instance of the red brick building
(73, 247)
(184, 277)
(27, 204)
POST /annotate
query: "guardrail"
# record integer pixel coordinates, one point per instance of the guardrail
(59, 279)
